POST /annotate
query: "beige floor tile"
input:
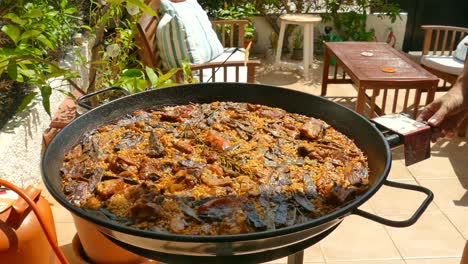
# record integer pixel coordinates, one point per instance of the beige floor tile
(313, 254)
(433, 235)
(61, 215)
(448, 160)
(396, 201)
(358, 238)
(448, 193)
(399, 171)
(459, 219)
(65, 232)
(434, 261)
(395, 261)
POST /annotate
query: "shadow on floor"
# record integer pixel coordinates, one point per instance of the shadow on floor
(277, 77)
(456, 150)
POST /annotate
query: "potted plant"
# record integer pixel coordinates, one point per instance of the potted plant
(298, 42)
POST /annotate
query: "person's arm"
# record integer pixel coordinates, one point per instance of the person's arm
(448, 111)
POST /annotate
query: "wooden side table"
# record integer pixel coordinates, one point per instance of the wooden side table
(308, 22)
(365, 63)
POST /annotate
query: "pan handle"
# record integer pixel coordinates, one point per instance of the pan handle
(81, 101)
(403, 223)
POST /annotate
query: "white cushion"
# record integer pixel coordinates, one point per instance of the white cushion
(238, 55)
(460, 51)
(446, 64)
(185, 32)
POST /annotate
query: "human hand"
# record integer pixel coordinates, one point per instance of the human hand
(446, 113)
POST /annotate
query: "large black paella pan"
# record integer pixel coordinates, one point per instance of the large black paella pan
(264, 245)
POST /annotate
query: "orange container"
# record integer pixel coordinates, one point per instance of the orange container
(22, 239)
(101, 250)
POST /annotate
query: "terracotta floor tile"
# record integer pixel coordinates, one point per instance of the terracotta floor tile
(396, 201)
(448, 193)
(358, 239)
(433, 235)
(434, 261)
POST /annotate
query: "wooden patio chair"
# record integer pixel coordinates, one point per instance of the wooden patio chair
(438, 58)
(150, 55)
(438, 48)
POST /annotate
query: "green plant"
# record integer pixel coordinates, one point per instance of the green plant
(36, 30)
(298, 38)
(349, 16)
(233, 10)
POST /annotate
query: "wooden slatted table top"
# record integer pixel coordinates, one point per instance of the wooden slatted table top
(365, 62)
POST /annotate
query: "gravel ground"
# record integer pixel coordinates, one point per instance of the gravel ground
(21, 142)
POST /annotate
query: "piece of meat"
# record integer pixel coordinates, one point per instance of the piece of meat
(106, 189)
(155, 148)
(271, 113)
(217, 142)
(184, 146)
(312, 129)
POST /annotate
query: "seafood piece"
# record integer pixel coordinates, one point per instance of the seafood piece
(310, 189)
(112, 216)
(253, 218)
(303, 201)
(281, 215)
(128, 140)
(189, 211)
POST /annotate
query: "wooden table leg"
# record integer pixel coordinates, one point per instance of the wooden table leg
(279, 48)
(296, 258)
(361, 100)
(326, 65)
(417, 100)
(431, 94)
(306, 51)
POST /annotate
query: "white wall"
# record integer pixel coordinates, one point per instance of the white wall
(381, 27)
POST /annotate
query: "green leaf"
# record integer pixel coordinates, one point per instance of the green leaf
(67, 93)
(29, 34)
(142, 6)
(46, 91)
(132, 73)
(43, 39)
(63, 4)
(12, 70)
(15, 19)
(35, 13)
(26, 101)
(152, 76)
(70, 10)
(12, 31)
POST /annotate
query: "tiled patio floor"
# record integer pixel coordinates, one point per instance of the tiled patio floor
(437, 238)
